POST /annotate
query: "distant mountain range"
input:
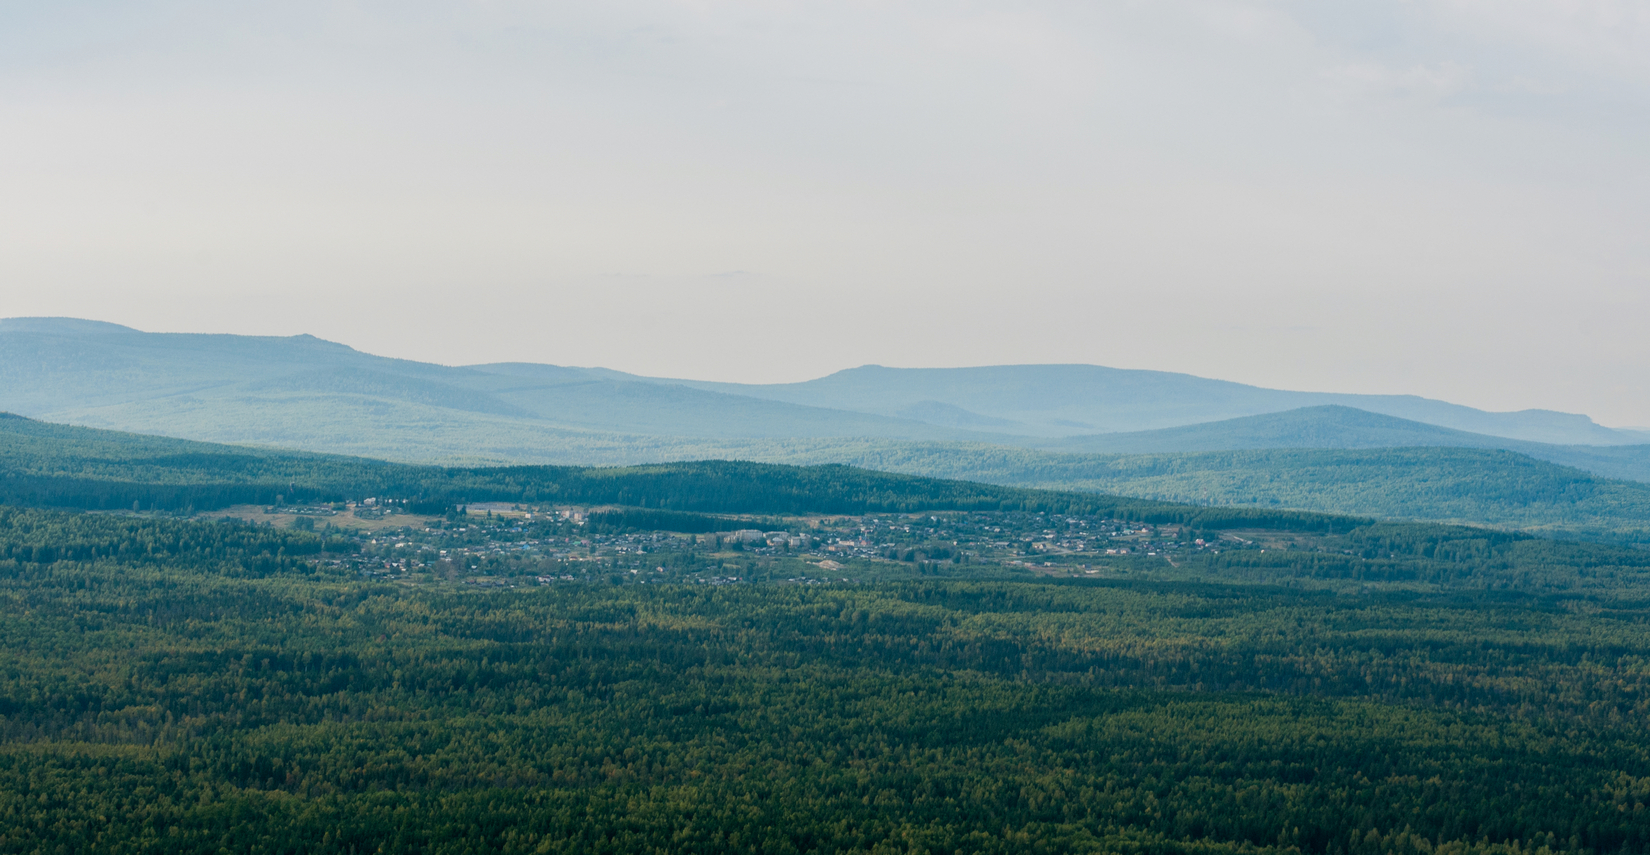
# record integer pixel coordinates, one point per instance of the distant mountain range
(306, 393)
(1143, 433)
(1070, 400)
(100, 371)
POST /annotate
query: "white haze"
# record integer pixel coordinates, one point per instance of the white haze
(1443, 197)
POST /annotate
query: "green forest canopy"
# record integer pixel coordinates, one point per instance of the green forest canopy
(180, 687)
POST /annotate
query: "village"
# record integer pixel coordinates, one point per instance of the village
(512, 545)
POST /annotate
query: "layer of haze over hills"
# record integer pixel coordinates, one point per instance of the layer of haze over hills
(58, 366)
(1065, 400)
(1146, 433)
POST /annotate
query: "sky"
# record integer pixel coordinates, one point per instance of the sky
(1448, 198)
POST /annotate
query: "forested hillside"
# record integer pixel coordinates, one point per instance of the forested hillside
(1466, 485)
(1336, 427)
(48, 465)
(62, 466)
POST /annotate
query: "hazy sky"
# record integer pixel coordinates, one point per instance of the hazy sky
(1443, 197)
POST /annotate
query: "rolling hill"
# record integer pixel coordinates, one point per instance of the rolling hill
(301, 391)
(1345, 427)
(1477, 486)
(62, 466)
(1068, 400)
(1327, 426)
(1455, 485)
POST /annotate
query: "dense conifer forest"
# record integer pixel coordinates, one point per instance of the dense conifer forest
(173, 686)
